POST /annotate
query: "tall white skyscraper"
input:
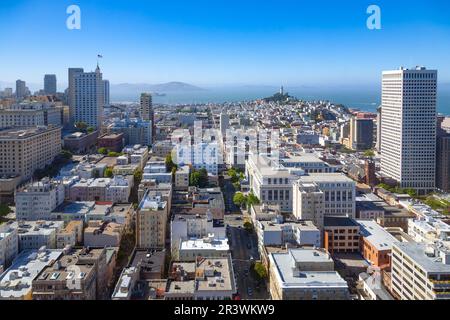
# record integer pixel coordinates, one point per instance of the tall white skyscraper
(71, 92)
(106, 91)
(50, 84)
(89, 98)
(408, 127)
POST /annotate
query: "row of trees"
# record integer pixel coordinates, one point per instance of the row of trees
(109, 153)
(398, 190)
(236, 175)
(242, 200)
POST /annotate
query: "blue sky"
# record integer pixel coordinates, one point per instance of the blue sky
(224, 42)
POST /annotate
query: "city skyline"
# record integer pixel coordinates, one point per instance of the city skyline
(293, 43)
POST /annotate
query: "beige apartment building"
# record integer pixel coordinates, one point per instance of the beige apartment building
(77, 275)
(308, 203)
(151, 222)
(22, 151)
(421, 271)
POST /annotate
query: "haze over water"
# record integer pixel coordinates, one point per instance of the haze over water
(365, 99)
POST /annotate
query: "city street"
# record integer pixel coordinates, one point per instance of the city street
(243, 249)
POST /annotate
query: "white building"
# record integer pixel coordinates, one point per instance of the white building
(9, 244)
(421, 271)
(37, 234)
(31, 115)
(308, 203)
(408, 125)
(200, 155)
(305, 274)
(89, 98)
(118, 190)
(428, 230)
(209, 247)
(15, 282)
(37, 200)
(338, 190)
(270, 182)
(302, 233)
(184, 227)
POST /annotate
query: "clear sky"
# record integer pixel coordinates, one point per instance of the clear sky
(220, 42)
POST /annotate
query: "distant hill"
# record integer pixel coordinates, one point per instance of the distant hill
(170, 87)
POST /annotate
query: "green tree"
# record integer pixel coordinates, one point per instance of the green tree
(113, 154)
(199, 178)
(170, 165)
(108, 173)
(66, 154)
(252, 200)
(239, 199)
(138, 176)
(369, 153)
(90, 129)
(102, 151)
(81, 126)
(260, 270)
(4, 210)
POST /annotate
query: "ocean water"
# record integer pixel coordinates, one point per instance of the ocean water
(365, 99)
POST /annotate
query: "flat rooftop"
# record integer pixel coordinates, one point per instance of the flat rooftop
(376, 235)
(305, 279)
(205, 244)
(339, 222)
(416, 251)
(16, 281)
(24, 133)
(326, 177)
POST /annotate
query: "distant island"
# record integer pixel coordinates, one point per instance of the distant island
(158, 89)
(280, 97)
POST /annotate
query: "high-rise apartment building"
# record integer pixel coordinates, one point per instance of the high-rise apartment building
(151, 222)
(22, 151)
(224, 123)
(21, 89)
(443, 157)
(361, 134)
(50, 84)
(378, 144)
(106, 91)
(89, 98)
(71, 92)
(308, 203)
(408, 126)
(147, 112)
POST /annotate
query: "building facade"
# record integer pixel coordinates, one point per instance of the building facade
(408, 124)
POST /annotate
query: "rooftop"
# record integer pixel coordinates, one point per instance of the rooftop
(24, 133)
(339, 222)
(376, 235)
(16, 281)
(327, 178)
(304, 278)
(417, 252)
